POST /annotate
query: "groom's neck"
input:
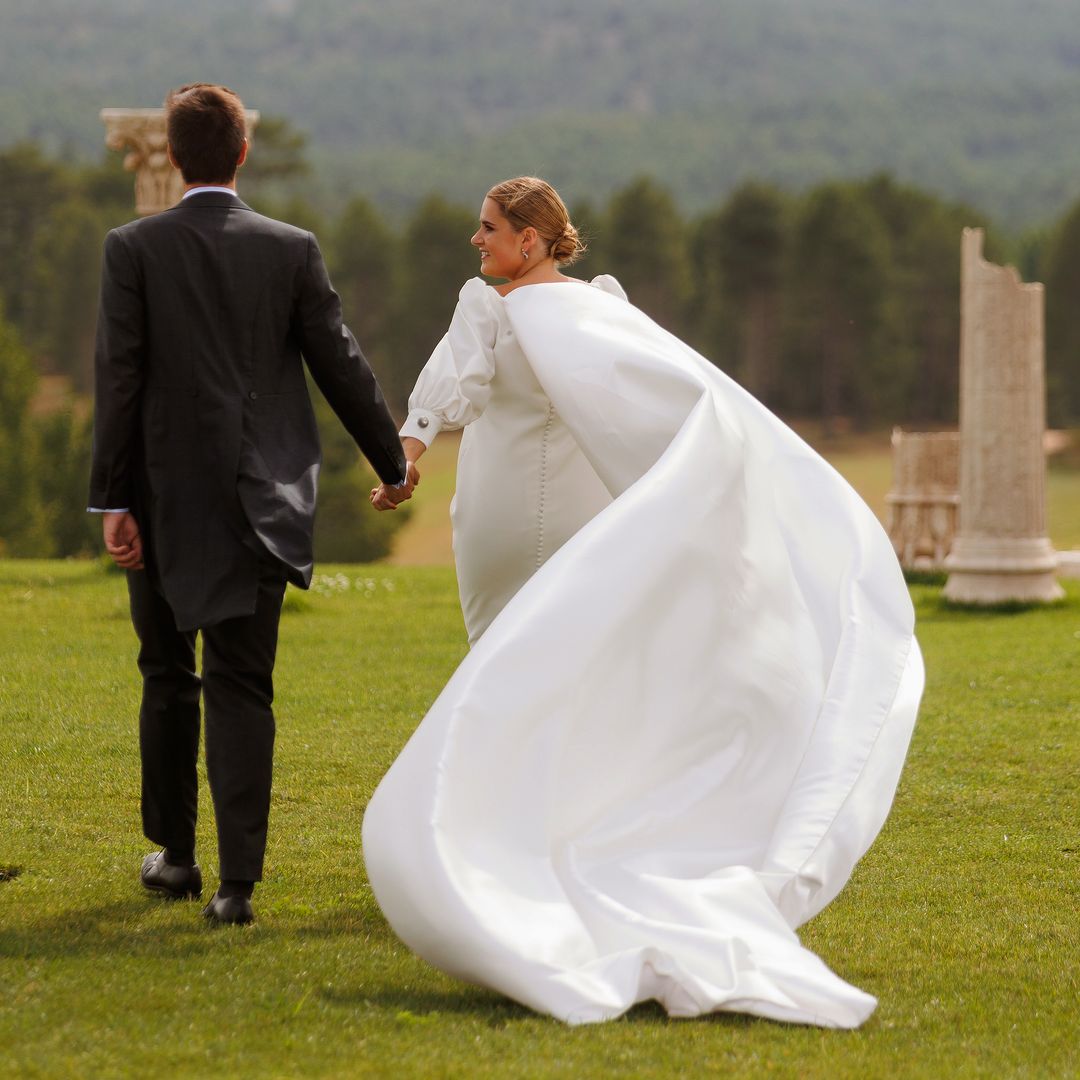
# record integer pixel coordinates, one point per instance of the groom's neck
(231, 184)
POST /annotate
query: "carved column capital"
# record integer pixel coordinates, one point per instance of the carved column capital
(142, 133)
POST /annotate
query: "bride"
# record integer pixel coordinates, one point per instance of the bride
(693, 675)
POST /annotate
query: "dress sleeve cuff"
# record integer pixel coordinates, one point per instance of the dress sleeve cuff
(422, 425)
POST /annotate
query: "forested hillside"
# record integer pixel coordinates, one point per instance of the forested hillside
(782, 183)
(978, 100)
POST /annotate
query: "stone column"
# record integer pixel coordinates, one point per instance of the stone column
(142, 133)
(924, 497)
(1002, 552)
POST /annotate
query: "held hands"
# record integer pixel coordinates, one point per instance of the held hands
(389, 497)
(122, 540)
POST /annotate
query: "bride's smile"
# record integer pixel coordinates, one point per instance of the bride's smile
(505, 252)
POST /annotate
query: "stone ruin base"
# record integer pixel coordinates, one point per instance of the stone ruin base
(997, 571)
(1069, 564)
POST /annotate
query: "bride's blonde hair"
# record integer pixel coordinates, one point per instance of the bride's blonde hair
(528, 200)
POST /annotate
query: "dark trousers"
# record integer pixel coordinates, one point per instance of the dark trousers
(237, 691)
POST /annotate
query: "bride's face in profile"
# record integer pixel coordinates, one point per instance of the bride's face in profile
(499, 244)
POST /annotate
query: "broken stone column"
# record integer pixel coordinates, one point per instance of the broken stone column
(142, 133)
(924, 497)
(1002, 552)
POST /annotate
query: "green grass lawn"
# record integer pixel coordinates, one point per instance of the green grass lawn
(964, 919)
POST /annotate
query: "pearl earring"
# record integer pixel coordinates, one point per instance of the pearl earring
(524, 253)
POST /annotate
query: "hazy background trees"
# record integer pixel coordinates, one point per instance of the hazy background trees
(839, 304)
(44, 459)
(977, 100)
(1062, 279)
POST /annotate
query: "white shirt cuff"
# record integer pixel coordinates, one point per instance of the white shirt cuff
(422, 425)
(98, 510)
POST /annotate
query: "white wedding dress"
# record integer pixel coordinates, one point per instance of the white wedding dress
(691, 689)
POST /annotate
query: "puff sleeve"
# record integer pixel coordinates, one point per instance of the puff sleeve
(607, 283)
(454, 387)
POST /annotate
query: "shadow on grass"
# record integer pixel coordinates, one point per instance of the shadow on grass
(154, 926)
(932, 606)
(1006, 607)
(936, 578)
(652, 1012)
(416, 1005)
(422, 1006)
(131, 926)
(339, 921)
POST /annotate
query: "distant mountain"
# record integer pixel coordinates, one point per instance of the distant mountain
(976, 99)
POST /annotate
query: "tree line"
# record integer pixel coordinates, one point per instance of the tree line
(839, 304)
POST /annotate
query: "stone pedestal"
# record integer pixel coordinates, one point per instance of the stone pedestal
(142, 133)
(1002, 552)
(924, 497)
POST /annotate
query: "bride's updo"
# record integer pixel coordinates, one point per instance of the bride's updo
(528, 200)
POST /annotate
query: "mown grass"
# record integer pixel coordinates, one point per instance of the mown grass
(964, 919)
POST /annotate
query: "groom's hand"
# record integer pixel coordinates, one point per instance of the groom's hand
(390, 496)
(122, 540)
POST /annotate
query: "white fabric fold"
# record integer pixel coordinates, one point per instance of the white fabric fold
(675, 741)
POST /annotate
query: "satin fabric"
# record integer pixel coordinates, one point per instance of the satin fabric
(523, 485)
(673, 744)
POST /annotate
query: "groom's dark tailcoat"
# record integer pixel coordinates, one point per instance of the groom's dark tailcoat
(203, 427)
(203, 423)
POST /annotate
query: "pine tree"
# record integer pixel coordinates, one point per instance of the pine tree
(33, 186)
(841, 274)
(590, 226)
(64, 448)
(645, 247)
(63, 307)
(436, 261)
(363, 272)
(1063, 322)
(347, 527)
(23, 522)
(739, 255)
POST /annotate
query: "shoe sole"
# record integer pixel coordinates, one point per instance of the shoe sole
(213, 920)
(170, 894)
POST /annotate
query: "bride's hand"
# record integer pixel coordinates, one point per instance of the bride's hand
(381, 500)
(389, 496)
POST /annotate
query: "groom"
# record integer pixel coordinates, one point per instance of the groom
(206, 458)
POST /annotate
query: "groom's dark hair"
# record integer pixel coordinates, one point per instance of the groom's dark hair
(206, 130)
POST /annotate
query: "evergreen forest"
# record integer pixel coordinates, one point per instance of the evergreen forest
(781, 185)
(840, 305)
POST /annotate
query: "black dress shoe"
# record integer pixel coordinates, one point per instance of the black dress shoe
(228, 910)
(176, 882)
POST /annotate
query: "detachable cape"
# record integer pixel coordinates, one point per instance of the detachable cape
(675, 742)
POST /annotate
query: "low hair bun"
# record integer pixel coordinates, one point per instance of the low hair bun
(529, 201)
(569, 247)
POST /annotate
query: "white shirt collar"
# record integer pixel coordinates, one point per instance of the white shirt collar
(207, 188)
